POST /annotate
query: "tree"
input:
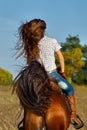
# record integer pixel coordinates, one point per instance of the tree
(73, 61)
(71, 42)
(73, 55)
(80, 77)
(84, 50)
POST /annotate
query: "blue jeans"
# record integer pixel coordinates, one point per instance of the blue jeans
(62, 83)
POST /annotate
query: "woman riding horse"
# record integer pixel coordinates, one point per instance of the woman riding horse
(36, 45)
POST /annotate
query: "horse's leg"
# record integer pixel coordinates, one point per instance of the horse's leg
(32, 122)
(57, 116)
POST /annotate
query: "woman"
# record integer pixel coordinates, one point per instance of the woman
(36, 45)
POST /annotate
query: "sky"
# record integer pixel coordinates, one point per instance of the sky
(63, 17)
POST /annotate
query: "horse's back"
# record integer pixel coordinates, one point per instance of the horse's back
(58, 116)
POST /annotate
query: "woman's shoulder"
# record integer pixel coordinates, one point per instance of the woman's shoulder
(50, 38)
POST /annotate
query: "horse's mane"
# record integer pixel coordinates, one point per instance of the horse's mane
(33, 87)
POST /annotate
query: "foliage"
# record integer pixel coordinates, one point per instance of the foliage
(75, 56)
(84, 50)
(71, 42)
(80, 78)
(73, 61)
(5, 77)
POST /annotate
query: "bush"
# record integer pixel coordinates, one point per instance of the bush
(5, 77)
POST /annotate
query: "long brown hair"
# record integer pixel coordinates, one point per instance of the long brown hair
(30, 34)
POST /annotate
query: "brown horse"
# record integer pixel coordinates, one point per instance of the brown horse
(44, 106)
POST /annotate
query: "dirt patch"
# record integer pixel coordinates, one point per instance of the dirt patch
(10, 109)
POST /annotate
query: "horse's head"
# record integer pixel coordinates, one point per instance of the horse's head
(33, 87)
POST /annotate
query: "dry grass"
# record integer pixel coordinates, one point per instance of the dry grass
(10, 108)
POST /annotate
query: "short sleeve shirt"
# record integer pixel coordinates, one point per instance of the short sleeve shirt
(48, 46)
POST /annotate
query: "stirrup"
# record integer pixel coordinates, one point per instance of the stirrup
(77, 126)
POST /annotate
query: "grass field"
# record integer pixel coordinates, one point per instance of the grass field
(10, 108)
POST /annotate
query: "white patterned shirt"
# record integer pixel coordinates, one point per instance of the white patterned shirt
(48, 46)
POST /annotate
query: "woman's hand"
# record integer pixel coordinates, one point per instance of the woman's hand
(63, 75)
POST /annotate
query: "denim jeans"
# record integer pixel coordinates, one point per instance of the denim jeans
(62, 83)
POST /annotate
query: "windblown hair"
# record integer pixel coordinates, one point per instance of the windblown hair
(33, 88)
(30, 34)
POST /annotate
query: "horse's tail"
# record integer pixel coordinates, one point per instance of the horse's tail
(33, 88)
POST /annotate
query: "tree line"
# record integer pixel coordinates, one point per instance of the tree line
(75, 56)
